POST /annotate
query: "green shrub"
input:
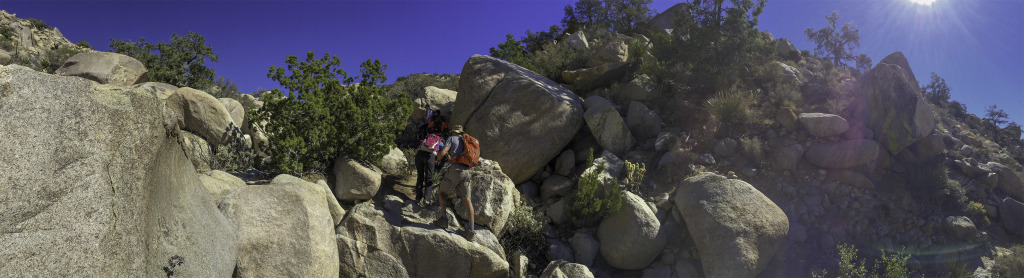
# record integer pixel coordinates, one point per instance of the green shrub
(1010, 265)
(595, 198)
(554, 58)
(325, 115)
(848, 265)
(523, 232)
(978, 212)
(39, 24)
(224, 88)
(731, 108)
(56, 58)
(84, 44)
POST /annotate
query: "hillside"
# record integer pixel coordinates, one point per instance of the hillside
(621, 150)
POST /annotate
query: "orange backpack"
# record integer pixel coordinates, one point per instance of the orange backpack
(471, 151)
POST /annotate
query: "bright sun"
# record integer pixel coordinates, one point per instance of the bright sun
(923, 2)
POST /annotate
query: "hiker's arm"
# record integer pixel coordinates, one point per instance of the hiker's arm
(443, 153)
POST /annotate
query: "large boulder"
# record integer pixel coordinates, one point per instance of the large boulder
(787, 50)
(823, 125)
(889, 102)
(666, 20)
(394, 162)
(95, 188)
(249, 102)
(564, 269)
(596, 76)
(160, 90)
(235, 110)
(845, 154)
(1009, 182)
(642, 122)
(220, 183)
(369, 228)
(202, 114)
(494, 196)
(1011, 213)
(433, 98)
(615, 51)
(608, 127)
(284, 230)
(511, 109)
(197, 150)
(631, 238)
(736, 228)
(577, 41)
(105, 68)
(5, 58)
(355, 180)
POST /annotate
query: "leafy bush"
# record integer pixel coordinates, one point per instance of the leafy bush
(56, 58)
(523, 232)
(180, 62)
(595, 198)
(978, 212)
(732, 107)
(325, 115)
(512, 51)
(937, 92)
(554, 58)
(848, 266)
(39, 24)
(780, 89)
(1010, 265)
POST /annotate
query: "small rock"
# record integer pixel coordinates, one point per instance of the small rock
(967, 150)
(706, 159)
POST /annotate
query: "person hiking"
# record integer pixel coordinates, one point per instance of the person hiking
(426, 153)
(462, 152)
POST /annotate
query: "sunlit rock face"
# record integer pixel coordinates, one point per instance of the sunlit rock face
(889, 102)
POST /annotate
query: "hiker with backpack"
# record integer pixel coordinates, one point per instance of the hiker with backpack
(463, 153)
(426, 154)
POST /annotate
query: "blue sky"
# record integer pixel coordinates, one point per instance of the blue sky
(976, 45)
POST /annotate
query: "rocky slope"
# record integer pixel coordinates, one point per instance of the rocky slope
(115, 173)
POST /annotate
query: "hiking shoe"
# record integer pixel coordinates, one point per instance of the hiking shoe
(468, 234)
(441, 222)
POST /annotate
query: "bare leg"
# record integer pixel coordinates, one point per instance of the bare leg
(469, 207)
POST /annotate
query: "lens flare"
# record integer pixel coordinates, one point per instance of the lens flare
(923, 2)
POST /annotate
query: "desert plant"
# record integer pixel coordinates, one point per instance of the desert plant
(849, 266)
(595, 197)
(895, 264)
(937, 92)
(233, 155)
(1010, 265)
(634, 176)
(523, 232)
(752, 147)
(931, 177)
(512, 51)
(731, 107)
(224, 88)
(554, 58)
(620, 16)
(325, 116)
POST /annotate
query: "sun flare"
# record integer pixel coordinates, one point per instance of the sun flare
(923, 2)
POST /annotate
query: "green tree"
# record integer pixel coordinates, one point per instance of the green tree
(511, 50)
(621, 16)
(833, 43)
(326, 115)
(534, 42)
(84, 44)
(715, 43)
(936, 91)
(863, 62)
(180, 62)
(994, 119)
